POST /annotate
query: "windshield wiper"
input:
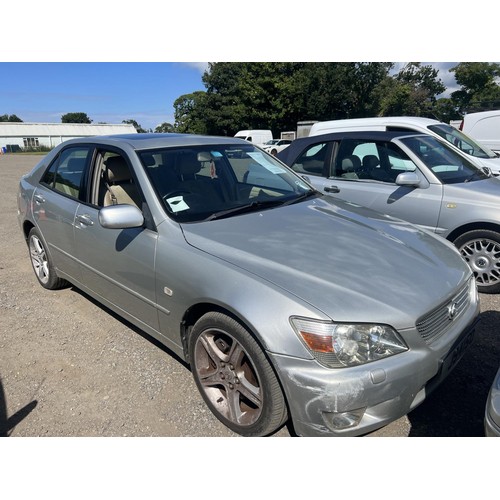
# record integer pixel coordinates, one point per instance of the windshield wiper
(475, 176)
(250, 207)
(301, 197)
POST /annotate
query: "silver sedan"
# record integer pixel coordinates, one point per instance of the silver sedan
(289, 306)
(492, 413)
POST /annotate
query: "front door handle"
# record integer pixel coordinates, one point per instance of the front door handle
(85, 220)
(332, 189)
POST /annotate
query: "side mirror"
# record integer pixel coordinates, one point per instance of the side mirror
(408, 179)
(487, 171)
(120, 217)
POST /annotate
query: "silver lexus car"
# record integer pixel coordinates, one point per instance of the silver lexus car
(288, 305)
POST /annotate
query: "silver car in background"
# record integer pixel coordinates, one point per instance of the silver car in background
(288, 305)
(492, 412)
(417, 178)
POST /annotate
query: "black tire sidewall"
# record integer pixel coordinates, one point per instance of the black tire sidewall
(272, 405)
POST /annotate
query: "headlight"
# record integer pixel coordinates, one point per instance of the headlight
(337, 345)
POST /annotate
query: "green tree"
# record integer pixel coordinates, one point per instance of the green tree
(10, 118)
(341, 90)
(412, 91)
(139, 129)
(479, 86)
(75, 118)
(445, 110)
(165, 127)
(190, 113)
(276, 95)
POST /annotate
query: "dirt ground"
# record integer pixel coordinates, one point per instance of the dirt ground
(69, 367)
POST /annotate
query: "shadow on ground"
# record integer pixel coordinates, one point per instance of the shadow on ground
(456, 408)
(8, 424)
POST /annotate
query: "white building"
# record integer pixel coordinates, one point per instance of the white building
(34, 135)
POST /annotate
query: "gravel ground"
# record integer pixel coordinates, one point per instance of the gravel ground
(69, 367)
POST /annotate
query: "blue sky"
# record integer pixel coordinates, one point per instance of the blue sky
(106, 91)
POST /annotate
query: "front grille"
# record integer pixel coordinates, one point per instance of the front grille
(437, 322)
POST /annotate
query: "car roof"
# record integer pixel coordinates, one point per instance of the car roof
(299, 144)
(154, 140)
(377, 120)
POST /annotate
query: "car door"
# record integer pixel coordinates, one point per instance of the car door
(365, 172)
(55, 203)
(118, 265)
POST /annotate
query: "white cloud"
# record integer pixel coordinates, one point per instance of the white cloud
(200, 66)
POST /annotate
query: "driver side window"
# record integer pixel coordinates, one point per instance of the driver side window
(114, 183)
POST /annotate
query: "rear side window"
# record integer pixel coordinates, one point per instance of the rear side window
(314, 160)
(65, 174)
(379, 161)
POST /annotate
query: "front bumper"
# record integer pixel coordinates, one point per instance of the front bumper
(355, 401)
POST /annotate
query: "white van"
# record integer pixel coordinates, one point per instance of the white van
(479, 153)
(257, 137)
(484, 126)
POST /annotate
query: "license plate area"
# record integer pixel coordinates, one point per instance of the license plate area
(456, 352)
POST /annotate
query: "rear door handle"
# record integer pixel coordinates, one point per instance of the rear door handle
(39, 198)
(85, 220)
(332, 189)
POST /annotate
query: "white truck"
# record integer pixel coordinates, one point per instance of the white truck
(257, 137)
(484, 126)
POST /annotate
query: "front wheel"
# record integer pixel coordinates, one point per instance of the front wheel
(481, 250)
(42, 263)
(234, 376)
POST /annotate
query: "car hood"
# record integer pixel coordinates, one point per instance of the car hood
(347, 261)
(485, 191)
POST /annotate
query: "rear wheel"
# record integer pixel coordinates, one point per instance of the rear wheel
(234, 376)
(42, 263)
(481, 250)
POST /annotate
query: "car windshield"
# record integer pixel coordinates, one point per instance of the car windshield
(462, 141)
(447, 164)
(199, 183)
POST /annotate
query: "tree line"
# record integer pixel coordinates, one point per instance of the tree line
(277, 95)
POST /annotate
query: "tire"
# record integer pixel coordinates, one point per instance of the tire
(234, 376)
(42, 262)
(481, 250)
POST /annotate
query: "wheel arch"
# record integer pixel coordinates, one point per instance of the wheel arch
(473, 226)
(196, 311)
(27, 227)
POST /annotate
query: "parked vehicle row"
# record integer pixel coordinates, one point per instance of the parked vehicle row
(288, 304)
(479, 153)
(276, 145)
